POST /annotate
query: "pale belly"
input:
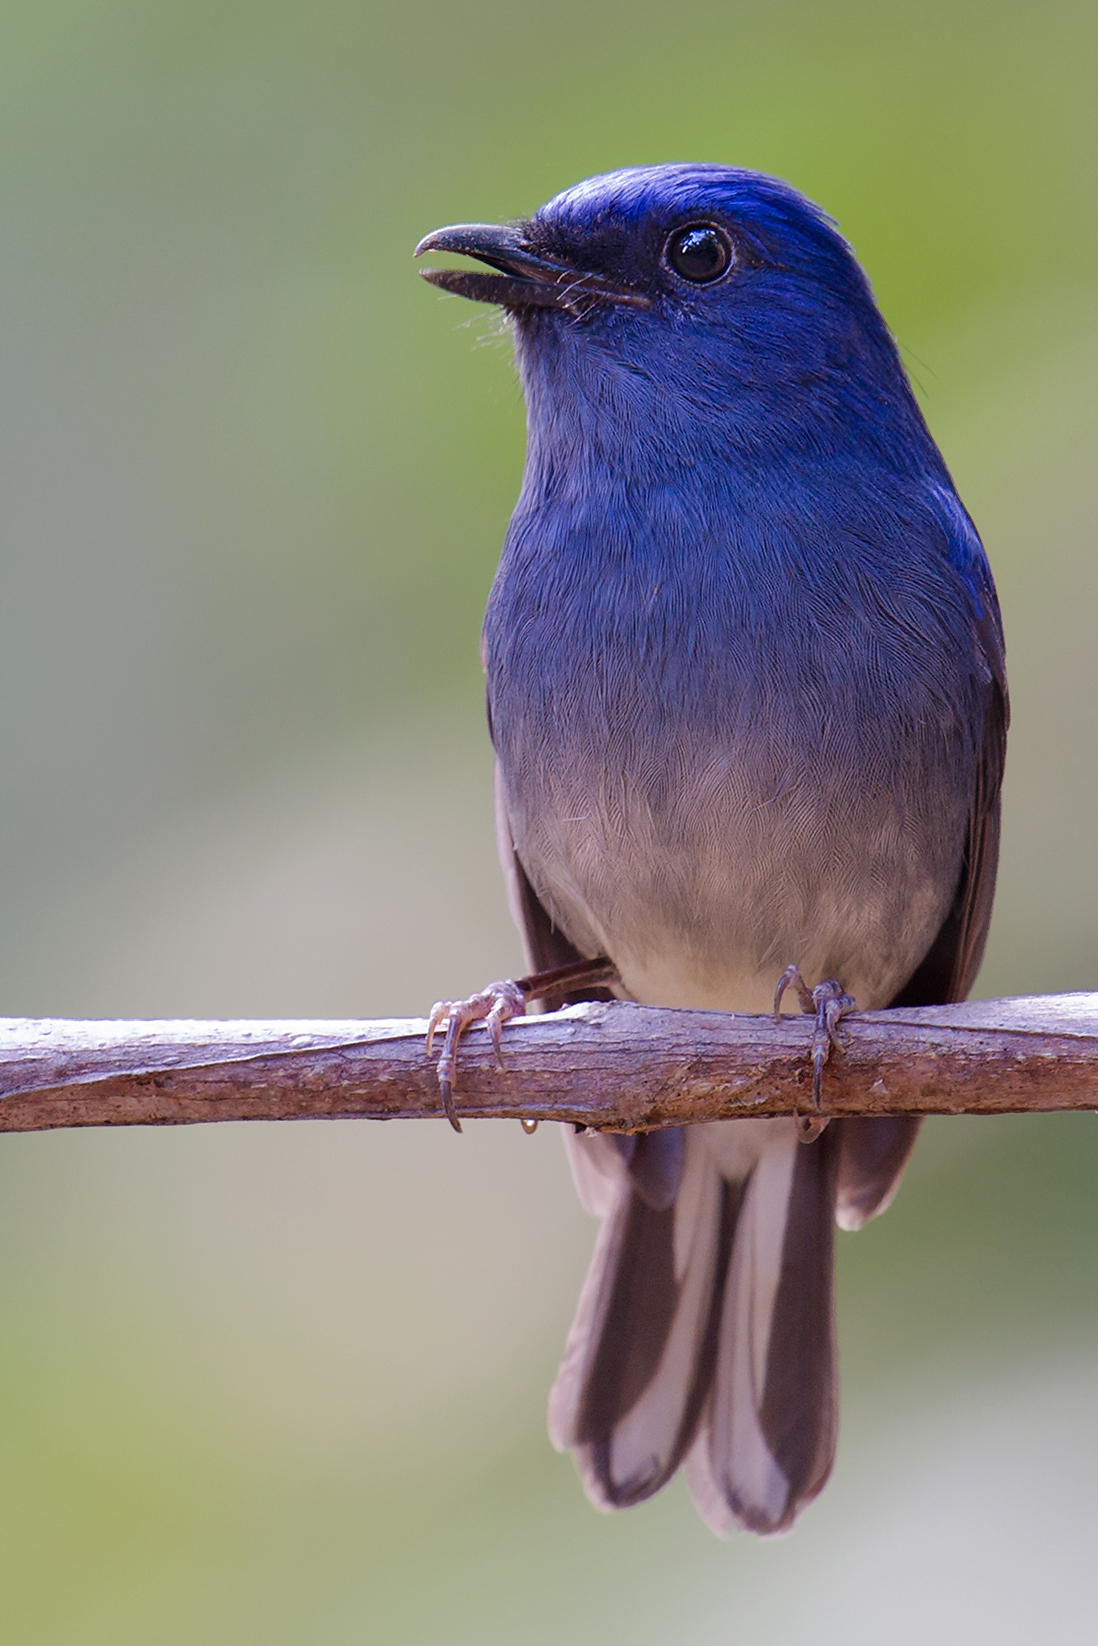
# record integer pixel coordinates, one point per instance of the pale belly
(705, 902)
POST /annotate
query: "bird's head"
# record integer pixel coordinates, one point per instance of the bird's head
(702, 293)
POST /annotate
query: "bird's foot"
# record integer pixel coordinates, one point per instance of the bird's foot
(828, 1003)
(495, 1006)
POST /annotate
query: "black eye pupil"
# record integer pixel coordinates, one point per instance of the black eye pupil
(700, 253)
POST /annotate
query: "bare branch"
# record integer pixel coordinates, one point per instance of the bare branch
(608, 1065)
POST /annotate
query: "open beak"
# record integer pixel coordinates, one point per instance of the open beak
(522, 279)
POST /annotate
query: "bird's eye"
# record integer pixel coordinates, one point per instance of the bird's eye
(701, 253)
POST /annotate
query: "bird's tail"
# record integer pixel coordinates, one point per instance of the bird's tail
(704, 1333)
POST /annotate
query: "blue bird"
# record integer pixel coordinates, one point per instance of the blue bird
(747, 694)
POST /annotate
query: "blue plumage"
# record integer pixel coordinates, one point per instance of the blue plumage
(745, 679)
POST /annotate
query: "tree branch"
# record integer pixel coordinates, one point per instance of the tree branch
(609, 1065)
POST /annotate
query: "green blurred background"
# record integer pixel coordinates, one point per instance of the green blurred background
(286, 1384)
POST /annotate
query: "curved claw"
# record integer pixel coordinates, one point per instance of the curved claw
(791, 979)
(820, 1055)
(446, 1088)
(497, 1017)
(440, 1011)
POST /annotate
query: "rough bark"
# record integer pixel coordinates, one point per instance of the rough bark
(599, 1064)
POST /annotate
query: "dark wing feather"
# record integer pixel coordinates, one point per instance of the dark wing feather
(545, 944)
(874, 1152)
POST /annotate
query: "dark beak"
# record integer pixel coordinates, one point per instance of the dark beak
(522, 279)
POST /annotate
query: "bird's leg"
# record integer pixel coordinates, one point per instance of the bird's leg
(828, 1003)
(496, 1005)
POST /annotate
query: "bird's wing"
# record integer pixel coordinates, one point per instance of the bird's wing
(874, 1152)
(545, 944)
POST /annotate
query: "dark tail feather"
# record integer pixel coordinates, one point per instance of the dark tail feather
(639, 1357)
(706, 1327)
(767, 1440)
(873, 1152)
